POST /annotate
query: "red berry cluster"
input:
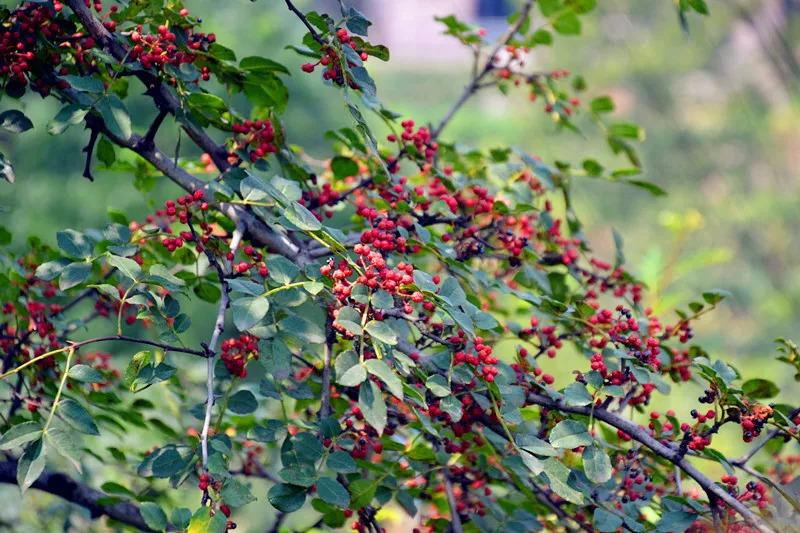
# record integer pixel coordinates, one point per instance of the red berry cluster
(23, 35)
(157, 50)
(254, 262)
(482, 355)
(421, 140)
(256, 137)
(331, 60)
(754, 421)
(236, 352)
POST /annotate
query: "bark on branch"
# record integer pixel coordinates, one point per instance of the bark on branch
(65, 487)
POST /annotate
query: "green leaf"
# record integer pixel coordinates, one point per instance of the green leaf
(243, 402)
(153, 516)
(362, 491)
(77, 416)
(698, 5)
(20, 434)
(760, 388)
(67, 443)
(596, 464)
(51, 270)
(15, 121)
(606, 522)
(626, 130)
(343, 167)
(370, 400)
(85, 84)
(357, 22)
(270, 431)
(203, 522)
(576, 395)
(249, 311)
(128, 267)
(715, 296)
(381, 331)
(105, 152)
(116, 117)
(437, 384)
(349, 371)
(602, 104)
(69, 115)
(549, 7)
(650, 187)
(567, 24)
(535, 445)
(236, 494)
(342, 463)
(675, 521)
(74, 274)
(377, 367)
(558, 475)
(302, 328)
(261, 64)
(181, 517)
(570, 434)
(74, 243)
(165, 463)
(287, 498)
(452, 406)
(281, 269)
(31, 464)
(160, 275)
(349, 319)
(86, 374)
(301, 217)
(332, 492)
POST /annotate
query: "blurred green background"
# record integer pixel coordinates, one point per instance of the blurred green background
(719, 104)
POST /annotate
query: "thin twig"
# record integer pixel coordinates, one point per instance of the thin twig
(305, 22)
(330, 337)
(219, 327)
(122, 338)
(474, 84)
(455, 519)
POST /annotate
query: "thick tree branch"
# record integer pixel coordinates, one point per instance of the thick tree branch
(65, 487)
(642, 436)
(165, 100)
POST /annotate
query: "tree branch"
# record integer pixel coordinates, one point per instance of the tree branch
(641, 435)
(455, 519)
(65, 487)
(122, 338)
(305, 22)
(330, 337)
(165, 100)
(219, 327)
(474, 85)
(257, 231)
(89, 148)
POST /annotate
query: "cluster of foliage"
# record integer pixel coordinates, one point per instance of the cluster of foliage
(384, 323)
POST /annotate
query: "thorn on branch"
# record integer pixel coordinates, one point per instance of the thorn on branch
(148, 141)
(94, 126)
